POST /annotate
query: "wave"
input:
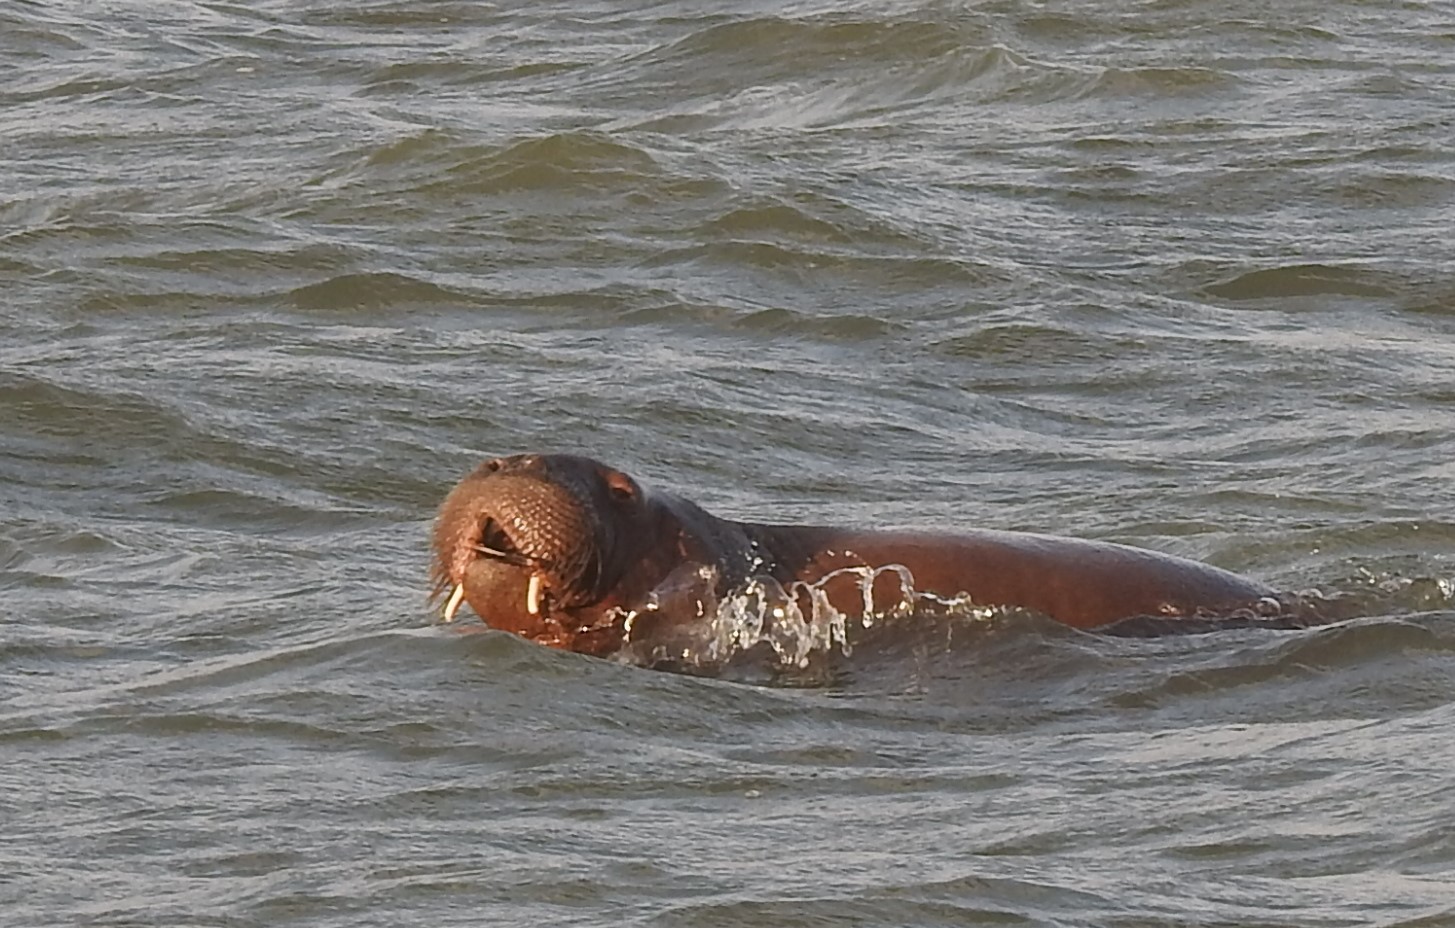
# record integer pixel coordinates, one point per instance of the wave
(1298, 280)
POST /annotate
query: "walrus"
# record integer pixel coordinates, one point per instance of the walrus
(573, 554)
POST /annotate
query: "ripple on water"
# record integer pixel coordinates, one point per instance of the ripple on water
(1301, 280)
(348, 293)
(563, 162)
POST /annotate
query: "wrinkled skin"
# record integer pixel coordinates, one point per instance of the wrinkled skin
(566, 551)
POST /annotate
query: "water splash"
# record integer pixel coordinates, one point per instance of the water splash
(685, 623)
(1370, 592)
(798, 620)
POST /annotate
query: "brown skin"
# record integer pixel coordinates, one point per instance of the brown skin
(598, 545)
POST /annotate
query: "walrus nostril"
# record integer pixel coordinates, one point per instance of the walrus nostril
(513, 464)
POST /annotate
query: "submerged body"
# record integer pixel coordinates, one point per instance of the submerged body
(570, 553)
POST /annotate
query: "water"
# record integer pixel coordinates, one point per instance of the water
(1172, 274)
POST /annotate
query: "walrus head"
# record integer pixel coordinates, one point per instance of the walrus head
(541, 545)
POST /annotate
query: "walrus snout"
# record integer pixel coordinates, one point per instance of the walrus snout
(537, 515)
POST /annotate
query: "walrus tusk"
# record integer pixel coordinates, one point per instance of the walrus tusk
(532, 598)
(533, 595)
(453, 606)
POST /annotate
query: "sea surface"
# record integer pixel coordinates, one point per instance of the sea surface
(1173, 273)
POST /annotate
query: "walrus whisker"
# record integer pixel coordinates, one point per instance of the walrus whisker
(592, 571)
(513, 558)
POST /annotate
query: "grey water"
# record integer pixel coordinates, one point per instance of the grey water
(1174, 274)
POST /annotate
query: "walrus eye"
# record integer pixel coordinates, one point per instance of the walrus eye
(620, 486)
